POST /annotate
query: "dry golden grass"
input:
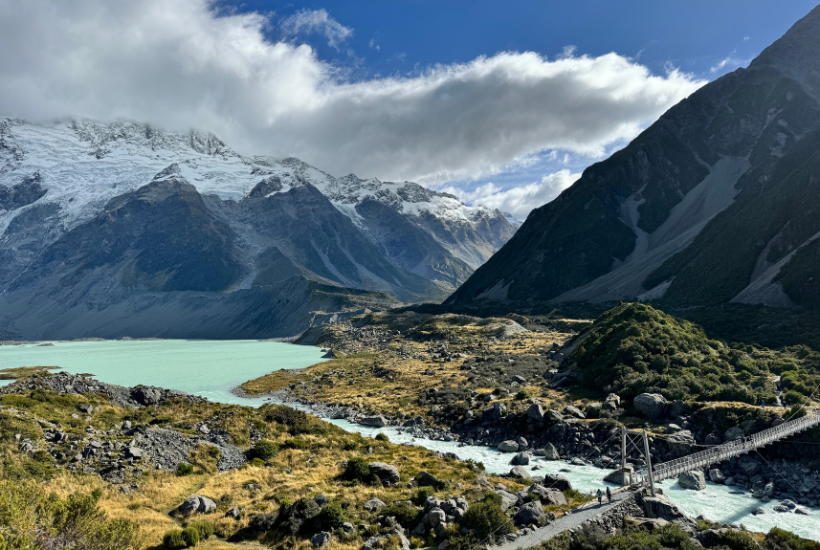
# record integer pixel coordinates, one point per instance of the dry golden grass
(17, 373)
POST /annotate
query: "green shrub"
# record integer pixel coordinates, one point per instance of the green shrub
(184, 469)
(522, 395)
(382, 437)
(423, 494)
(191, 537)
(792, 397)
(264, 450)
(738, 540)
(332, 516)
(486, 518)
(404, 513)
(357, 469)
(298, 443)
(204, 527)
(299, 517)
(173, 540)
(778, 538)
(462, 542)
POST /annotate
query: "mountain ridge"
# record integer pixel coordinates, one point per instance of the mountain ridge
(652, 221)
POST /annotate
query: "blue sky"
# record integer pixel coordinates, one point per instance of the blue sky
(704, 38)
(500, 103)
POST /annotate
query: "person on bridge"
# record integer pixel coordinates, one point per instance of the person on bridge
(600, 496)
(608, 495)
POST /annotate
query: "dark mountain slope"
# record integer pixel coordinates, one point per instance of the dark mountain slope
(704, 162)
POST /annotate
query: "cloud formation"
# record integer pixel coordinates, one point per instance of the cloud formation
(181, 64)
(518, 201)
(316, 21)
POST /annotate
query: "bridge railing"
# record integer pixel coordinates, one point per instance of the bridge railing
(734, 448)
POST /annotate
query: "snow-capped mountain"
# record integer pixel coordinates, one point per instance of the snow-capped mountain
(94, 216)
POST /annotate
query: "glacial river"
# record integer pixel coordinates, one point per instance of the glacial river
(212, 368)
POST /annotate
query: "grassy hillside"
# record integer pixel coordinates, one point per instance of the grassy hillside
(635, 348)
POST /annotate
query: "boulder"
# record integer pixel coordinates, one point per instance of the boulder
(661, 507)
(436, 517)
(508, 499)
(611, 404)
(694, 480)
(713, 439)
(593, 410)
(734, 433)
(529, 513)
(651, 405)
(682, 442)
(574, 411)
(377, 421)
(519, 472)
(551, 453)
(233, 513)
(388, 474)
(536, 412)
(556, 481)
(548, 496)
(508, 446)
(521, 459)
(425, 479)
(196, 504)
(499, 410)
(86, 408)
(374, 505)
(320, 539)
(519, 379)
(716, 476)
(554, 416)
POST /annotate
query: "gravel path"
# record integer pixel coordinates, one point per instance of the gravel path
(578, 517)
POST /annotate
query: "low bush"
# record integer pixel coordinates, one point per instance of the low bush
(422, 494)
(173, 540)
(264, 450)
(486, 518)
(405, 514)
(204, 527)
(184, 469)
(382, 437)
(190, 536)
(332, 516)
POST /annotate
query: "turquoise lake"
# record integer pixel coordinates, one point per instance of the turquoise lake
(210, 368)
(213, 368)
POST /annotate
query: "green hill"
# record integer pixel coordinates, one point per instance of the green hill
(635, 348)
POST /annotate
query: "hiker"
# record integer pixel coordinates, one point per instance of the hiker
(600, 496)
(608, 495)
(763, 404)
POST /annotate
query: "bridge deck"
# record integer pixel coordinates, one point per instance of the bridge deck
(720, 453)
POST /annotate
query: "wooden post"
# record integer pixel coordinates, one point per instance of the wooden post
(649, 463)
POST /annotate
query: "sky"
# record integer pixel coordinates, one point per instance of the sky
(500, 103)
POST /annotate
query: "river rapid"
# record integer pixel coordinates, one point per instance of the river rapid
(213, 369)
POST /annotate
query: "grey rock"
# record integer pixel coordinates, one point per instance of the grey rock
(734, 433)
(508, 446)
(529, 513)
(233, 513)
(519, 472)
(716, 476)
(196, 504)
(694, 480)
(548, 496)
(425, 479)
(651, 405)
(436, 517)
(377, 421)
(574, 411)
(536, 412)
(374, 505)
(521, 459)
(320, 539)
(388, 474)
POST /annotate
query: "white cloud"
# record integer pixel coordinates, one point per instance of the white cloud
(729, 61)
(518, 201)
(182, 64)
(318, 21)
